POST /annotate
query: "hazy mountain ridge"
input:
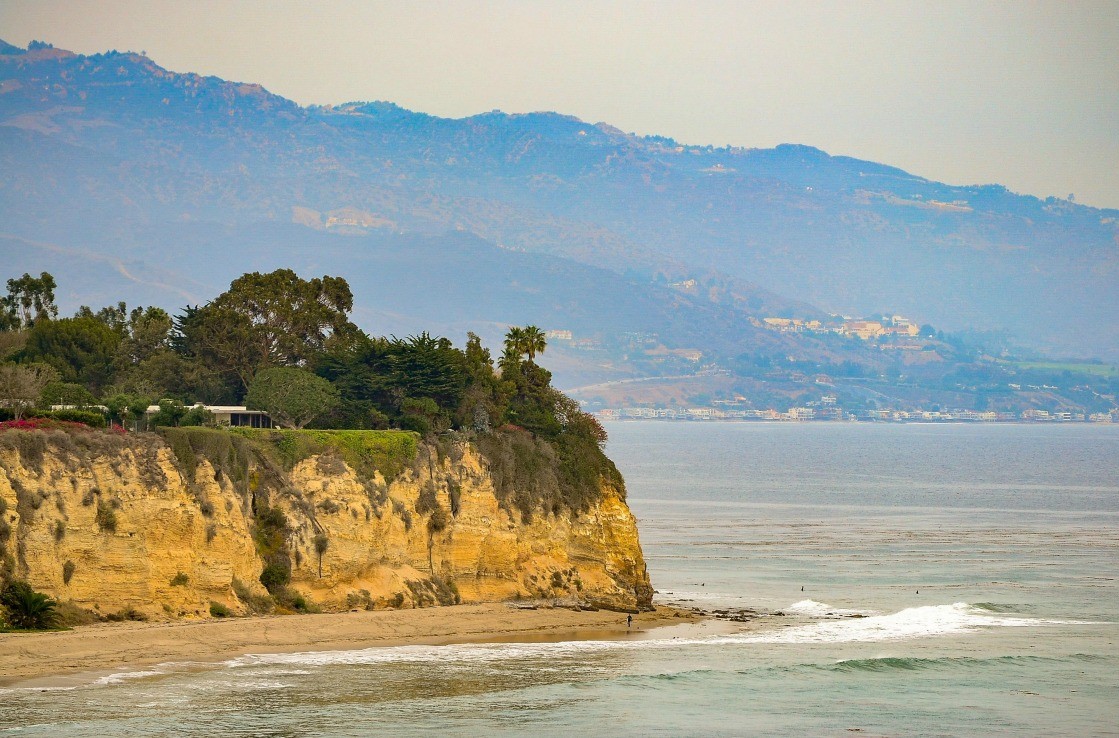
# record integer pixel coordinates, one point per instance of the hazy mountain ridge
(99, 149)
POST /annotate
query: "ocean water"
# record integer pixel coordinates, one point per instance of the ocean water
(901, 580)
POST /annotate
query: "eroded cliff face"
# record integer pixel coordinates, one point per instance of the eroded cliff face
(119, 524)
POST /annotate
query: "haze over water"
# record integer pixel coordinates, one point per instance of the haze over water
(982, 560)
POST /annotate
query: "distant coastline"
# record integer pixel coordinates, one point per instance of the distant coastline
(886, 417)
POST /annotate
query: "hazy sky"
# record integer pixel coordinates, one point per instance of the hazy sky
(1025, 94)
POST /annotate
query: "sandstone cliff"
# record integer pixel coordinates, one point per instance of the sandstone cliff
(164, 527)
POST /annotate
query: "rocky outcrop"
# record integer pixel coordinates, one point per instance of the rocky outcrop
(116, 524)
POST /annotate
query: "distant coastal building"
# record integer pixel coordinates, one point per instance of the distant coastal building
(231, 416)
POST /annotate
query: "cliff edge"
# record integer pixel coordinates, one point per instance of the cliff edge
(193, 522)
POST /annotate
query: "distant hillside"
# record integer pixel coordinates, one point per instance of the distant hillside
(175, 183)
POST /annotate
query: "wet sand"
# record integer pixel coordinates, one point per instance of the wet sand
(77, 656)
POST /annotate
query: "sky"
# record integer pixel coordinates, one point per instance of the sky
(1024, 94)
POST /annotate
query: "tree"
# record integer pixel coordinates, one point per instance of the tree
(514, 345)
(66, 393)
(128, 408)
(21, 385)
(81, 349)
(321, 544)
(30, 300)
(292, 397)
(533, 341)
(263, 320)
(27, 608)
(419, 381)
(146, 333)
(529, 340)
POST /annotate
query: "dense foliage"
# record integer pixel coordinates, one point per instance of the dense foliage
(284, 344)
(292, 397)
(25, 608)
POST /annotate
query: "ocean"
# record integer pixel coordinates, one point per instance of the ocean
(947, 580)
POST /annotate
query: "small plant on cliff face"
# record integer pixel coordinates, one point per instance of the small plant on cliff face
(438, 520)
(275, 576)
(289, 599)
(219, 610)
(359, 600)
(68, 571)
(59, 531)
(211, 532)
(106, 517)
(256, 604)
(27, 609)
(270, 534)
(180, 580)
(321, 544)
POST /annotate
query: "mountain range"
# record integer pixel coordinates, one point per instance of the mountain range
(121, 177)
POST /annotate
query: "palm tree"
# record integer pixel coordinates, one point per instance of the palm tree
(534, 342)
(515, 342)
(27, 609)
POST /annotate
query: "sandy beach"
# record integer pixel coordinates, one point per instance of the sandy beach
(72, 657)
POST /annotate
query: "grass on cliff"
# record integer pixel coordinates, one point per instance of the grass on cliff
(532, 475)
(366, 451)
(233, 450)
(229, 454)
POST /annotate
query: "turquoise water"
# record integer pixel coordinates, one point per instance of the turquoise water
(982, 561)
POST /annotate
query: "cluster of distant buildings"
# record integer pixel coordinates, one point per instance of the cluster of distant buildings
(897, 325)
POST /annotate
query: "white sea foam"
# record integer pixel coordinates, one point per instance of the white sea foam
(820, 609)
(916, 622)
(125, 676)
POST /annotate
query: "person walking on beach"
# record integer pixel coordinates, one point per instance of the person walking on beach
(629, 622)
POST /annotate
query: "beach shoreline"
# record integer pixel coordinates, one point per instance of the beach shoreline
(82, 655)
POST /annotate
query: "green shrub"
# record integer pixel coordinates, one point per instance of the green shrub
(275, 576)
(438, 520)
(359, 600)
(289, 599)
(92, 418)
(127, 613)
(106, 517)
(256, 604)
(70, 615)
(219, 610)
(59, 531)
(68, 571)
(26, 608)
(533, 475)
(180, 580)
